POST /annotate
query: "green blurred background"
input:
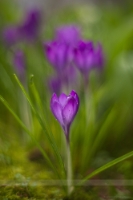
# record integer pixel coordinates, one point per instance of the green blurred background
(109, 130)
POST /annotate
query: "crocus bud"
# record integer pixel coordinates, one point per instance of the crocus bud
(88, 57)
(65, 108)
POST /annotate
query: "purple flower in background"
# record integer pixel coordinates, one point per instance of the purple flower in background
(65, 108)
(88, 57)
(68, 34)
(58, 54)
(10, 35)
(29, 29)
(19, 64)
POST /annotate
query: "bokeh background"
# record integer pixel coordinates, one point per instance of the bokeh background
(107, 132)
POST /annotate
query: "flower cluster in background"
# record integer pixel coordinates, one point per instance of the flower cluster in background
(17, 37)
(68, 53)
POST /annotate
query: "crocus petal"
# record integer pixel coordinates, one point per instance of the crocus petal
(74, 94)
(90, 45)
(69, 34)
(57, 111)
(82, 45)
(79, 59)
(50, 53)
(62, 58)
(63, 99)
(58, 54)
(88, 57)
(53, 99)
(69, 111)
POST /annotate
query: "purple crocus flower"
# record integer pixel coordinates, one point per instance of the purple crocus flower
(19, 64)
(88, 57)
(65, 108)
(69, 34)
(58, 54)
(29, 29)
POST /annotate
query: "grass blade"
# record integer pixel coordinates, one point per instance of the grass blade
(51, 140)
(29, 133)
(106, 166)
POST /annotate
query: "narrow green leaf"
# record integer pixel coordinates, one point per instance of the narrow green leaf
(106, 166)
(36, 96)
(29, 133)
(51, 139)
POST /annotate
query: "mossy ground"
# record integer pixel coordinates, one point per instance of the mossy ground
(22, 176)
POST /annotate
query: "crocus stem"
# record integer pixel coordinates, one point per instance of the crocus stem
(69, 170)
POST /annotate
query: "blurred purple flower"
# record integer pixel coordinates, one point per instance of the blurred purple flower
(58, 54)
(88, 57)
(65, 109)
(68, 34)
(19, 64)
(29, 29)
(10, 35)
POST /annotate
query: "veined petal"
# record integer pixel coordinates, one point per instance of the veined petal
(74, 94)
(70, 110)
(63, 99)
(57, 111)
(53, 99)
